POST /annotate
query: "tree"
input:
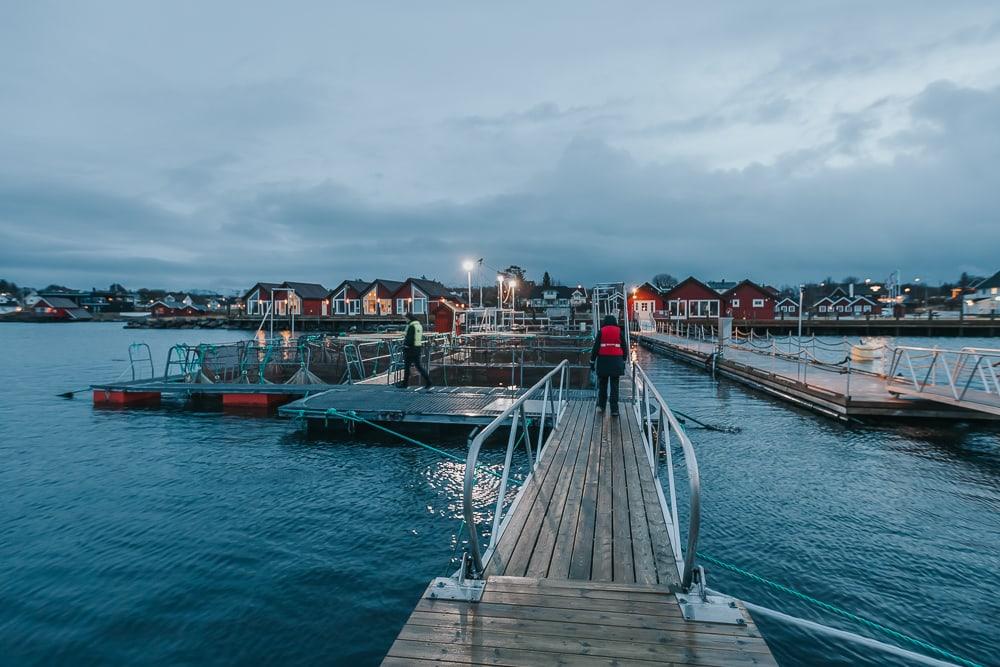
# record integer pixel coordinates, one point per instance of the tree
(515, 271)
(664, 280)
(850, 280)
(546, 280)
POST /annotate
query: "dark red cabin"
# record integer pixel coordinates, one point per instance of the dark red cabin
(749, 301)
(692, 299)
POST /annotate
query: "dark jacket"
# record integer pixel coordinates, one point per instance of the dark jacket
(608, 366)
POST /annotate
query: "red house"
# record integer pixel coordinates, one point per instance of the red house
(430, 299)
(59, 308)
(692, 299)
(377, 299)
(260, 297)
(749, 301)
(309, 299)
(645, 301)
(345, 298)
(787, 307)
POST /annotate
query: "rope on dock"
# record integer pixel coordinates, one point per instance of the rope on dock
(841, 612)
(710, 427)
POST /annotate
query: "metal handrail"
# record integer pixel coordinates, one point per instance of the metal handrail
(957, 368)
(552, 398)
(644, 396)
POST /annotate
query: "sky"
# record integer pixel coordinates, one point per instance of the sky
(189, 145)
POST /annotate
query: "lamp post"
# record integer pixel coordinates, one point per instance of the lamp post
(500, 298)
(802, 289)
(513, 300)
(468, 266)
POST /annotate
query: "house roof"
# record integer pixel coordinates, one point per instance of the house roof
(392, 286)
(788, 298)
(992, 281)
(749, 283)
(177, 305)
(562, 291)
(359, 286)
(435, 290)
(79, 314)
(688, 281)
(267, 286)
(307, 290)
(59, 302)
(721, 285)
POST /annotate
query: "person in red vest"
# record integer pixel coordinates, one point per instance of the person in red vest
(608, 358)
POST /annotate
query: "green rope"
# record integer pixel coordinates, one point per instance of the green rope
(842, 612)
(351, 416)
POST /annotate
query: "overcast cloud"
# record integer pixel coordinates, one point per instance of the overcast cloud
(191, 144)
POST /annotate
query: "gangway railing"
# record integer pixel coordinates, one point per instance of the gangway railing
(553, 404)
(967, 376)
(659, 426)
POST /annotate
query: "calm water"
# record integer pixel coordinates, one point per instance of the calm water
(172, 536)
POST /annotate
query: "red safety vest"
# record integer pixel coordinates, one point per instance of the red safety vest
(611, 342)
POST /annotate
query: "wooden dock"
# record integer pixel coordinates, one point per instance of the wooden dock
(825, 389)
(386, 403)
(583, 572)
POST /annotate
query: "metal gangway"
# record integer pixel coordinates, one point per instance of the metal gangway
(610, 299)
(965, 378)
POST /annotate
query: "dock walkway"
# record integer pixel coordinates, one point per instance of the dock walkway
(830, 391)
(583, 572)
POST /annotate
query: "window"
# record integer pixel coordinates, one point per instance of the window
(677, 308)
(370, 300)
(419, 306)
(703, 308)
(735, 303)
(758, 303)
(822, 309)
(354, 306)
(339, 306)
(401, 306)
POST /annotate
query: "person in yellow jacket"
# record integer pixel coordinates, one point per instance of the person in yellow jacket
(412, 345)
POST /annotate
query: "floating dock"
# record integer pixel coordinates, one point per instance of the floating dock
(585, 567)
(833, 391)
(437, 405)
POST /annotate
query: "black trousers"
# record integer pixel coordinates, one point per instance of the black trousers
(411, 357)
(603, 382)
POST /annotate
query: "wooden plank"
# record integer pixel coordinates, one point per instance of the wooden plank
(583, 541)
(550, 584)
(556, 539)
(599, 618)
(490, 656)
(535, 523)
(681, 632)
(477, 637)
(551, 457)
(624, 568)
(665, 608)
(642, 548)
(602, 564)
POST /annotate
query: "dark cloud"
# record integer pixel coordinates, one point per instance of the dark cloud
(720, 142)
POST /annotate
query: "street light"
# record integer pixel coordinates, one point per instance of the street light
(468, 266)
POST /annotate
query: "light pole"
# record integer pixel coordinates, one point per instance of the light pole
(500, 298)
(513, 300)
(468, 266)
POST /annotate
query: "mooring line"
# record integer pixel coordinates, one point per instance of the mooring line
(351, 416)
(837, 610)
